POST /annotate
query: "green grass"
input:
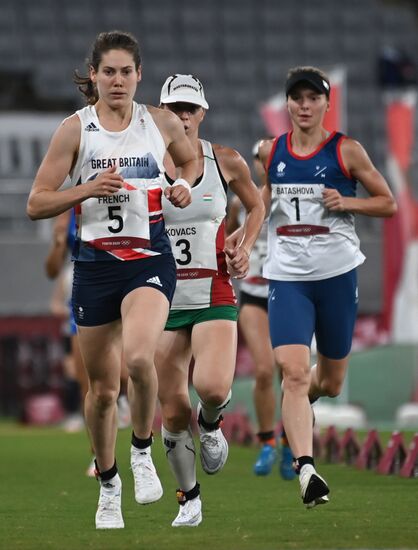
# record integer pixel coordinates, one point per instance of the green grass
(46, 502)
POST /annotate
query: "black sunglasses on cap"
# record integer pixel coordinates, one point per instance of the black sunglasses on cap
(180, 107)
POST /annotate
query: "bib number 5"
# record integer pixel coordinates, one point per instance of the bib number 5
(117, 217)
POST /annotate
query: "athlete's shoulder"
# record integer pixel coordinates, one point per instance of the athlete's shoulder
(265, 148)
(71, 122)
(226, 154)
(231, 162)
(352, 151)
(168, 123)
(68, 132)
(163, 117)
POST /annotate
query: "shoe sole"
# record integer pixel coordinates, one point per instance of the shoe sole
(316, 492)
(150, 500)
(194, 523)
(117, 526)
(320, 500)
(205, 467)
(212, 472)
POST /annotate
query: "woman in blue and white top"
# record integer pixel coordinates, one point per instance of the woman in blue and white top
(312, 256)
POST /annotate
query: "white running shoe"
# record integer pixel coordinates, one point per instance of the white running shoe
(147, 484)
(124, 412)
(213, 448)
(91, 470)
(190, 514)
(73, 423)
(109, 513)
(313, 487)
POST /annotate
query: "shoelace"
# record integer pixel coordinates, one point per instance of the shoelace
(210, 440)
(108, 504)
(187, 509)
(145, 472)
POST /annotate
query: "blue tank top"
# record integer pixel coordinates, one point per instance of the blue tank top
(323, 166)
(306, 241)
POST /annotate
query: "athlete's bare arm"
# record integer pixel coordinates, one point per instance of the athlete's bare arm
(58, 250)
(45, 199)
(237, 174)
(264, 152)
(177, 143)
(359, 166)
(232, 218)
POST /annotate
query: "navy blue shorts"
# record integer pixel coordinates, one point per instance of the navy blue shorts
(328, 308)
(100, 287)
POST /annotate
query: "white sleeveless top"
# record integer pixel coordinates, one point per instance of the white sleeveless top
(120, 226)
(254, 283)
(197, 235)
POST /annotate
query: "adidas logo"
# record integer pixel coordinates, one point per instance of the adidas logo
(91, 127)
(154, 280)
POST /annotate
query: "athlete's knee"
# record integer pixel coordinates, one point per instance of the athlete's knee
(296, 376)
(215, 397)
(102, 395)
(176, 415)
(331, 388)
(264, 376)
(139, 364)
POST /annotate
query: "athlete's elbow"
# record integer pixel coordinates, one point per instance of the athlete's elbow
(32, 210)
(390, 208)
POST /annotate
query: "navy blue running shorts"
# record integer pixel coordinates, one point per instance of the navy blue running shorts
(100, 287)
(328, 308)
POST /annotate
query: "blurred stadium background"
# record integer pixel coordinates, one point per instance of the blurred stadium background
(241, 50)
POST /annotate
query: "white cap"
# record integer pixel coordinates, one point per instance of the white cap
(183, 88)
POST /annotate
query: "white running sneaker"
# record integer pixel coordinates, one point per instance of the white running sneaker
(313, 487)
(147, 484)
(213, 448)
(109, 513)
(124, 412)
(91, 470)
(190, 514)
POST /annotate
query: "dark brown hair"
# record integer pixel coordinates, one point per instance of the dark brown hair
(308, 68)
(105, 41)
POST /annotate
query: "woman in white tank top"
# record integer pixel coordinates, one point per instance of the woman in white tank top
(117, 217)
(202, 321)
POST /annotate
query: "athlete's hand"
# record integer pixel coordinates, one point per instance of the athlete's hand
(333, 200)
(179, 195)
(233, 240)
(237, 262)
(106, 183)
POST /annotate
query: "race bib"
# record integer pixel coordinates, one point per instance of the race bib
(118, 221)
(194, 249)
(298, 203)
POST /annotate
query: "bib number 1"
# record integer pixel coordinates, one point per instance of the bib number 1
(296, 201)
